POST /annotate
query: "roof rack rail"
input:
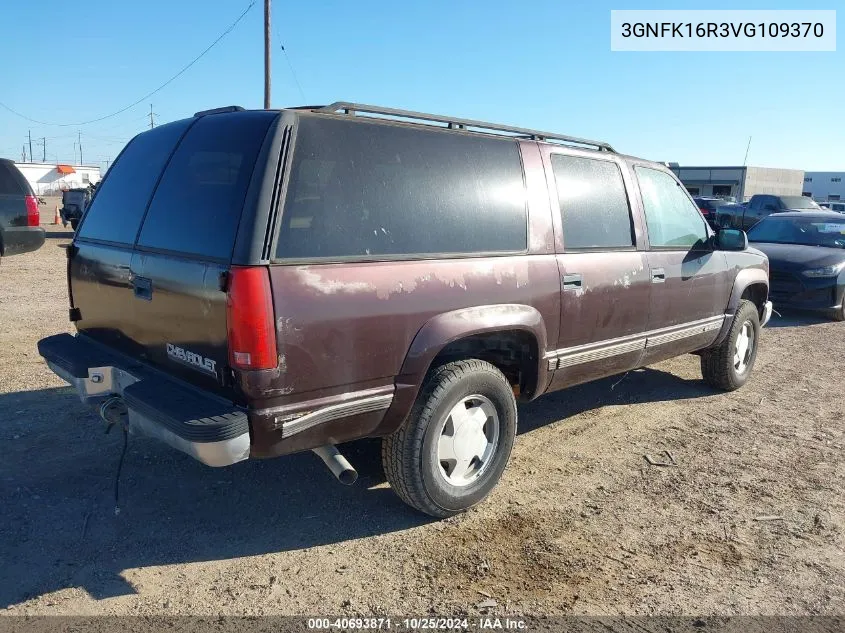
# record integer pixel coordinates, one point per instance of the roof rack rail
(231, 108)
(453, 123)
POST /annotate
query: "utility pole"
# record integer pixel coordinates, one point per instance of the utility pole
(80, 146)
(152, 114)
(266, 54)
(23, 153)
(44, 149)
(29, 132)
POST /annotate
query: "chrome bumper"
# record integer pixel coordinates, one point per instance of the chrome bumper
(112, 381)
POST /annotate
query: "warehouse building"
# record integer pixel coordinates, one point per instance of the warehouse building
(824, 186)
(739, 183)
(51, 179)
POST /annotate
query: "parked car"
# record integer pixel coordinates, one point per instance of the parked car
(746, 215)
(74, 203)
(807, 259)
(833, 205)
(307, 277)
(709, 207)
(19, 217)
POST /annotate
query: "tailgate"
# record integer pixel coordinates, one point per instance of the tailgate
(149, 267)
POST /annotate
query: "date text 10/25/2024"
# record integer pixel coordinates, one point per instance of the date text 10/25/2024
(417, 624)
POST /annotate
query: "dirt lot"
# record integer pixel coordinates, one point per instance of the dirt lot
(580, 524)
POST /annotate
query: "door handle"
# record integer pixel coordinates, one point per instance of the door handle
(572, 282)
(143, 287)
(658, 275)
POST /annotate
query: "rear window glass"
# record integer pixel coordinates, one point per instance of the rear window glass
(116, 211)
(198, 203)
(593, 205)
(12, 181)
(799, 202)
(363, 189)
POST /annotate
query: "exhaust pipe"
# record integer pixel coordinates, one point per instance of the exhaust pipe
(337, 463)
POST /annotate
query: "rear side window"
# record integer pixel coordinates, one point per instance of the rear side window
(117, 209)
(12, 181)
(363, 189)
(593, 205)
(197, 205)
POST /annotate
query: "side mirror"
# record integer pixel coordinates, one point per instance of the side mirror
(731, 240)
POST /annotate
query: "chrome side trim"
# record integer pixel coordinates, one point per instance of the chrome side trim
(694, 329)
(576, 358)
(572, 356)
(294, 423)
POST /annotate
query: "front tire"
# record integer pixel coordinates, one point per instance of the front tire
(451, 451)
(728, 366)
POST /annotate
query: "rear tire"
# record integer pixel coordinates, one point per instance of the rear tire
(451, 451)
(728, 366)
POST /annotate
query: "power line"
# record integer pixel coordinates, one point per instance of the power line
(290, 65)
(293, 74)
(149, 94)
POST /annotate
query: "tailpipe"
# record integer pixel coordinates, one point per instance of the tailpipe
(337, 463)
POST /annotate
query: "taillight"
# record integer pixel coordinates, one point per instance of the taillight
(32, 216)
(704, 211)
(250, 320)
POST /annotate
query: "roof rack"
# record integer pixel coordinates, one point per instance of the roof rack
(224, 109)
(453, 123)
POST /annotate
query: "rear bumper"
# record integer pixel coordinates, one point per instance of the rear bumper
(21, 239)
(203, 426)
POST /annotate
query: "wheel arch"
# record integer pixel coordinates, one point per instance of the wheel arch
(751, 284)
(486, 332)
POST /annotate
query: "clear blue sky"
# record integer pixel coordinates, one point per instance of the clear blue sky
(537, 63)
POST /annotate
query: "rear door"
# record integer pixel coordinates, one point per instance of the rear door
(168, 306)
(604, 276)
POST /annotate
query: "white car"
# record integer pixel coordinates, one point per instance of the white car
(833, 205)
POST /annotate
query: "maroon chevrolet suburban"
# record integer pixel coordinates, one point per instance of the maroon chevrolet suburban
(257, 283)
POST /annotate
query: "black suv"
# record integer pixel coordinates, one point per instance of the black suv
(19, 218)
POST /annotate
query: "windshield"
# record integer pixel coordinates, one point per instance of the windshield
(804, 231)
(799, 202)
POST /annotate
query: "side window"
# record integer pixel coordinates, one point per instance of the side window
(361, 189)
(197, 206)
(116, 211)
(672, 219)
(593, 205)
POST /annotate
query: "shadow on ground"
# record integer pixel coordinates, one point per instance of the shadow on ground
(58, 527)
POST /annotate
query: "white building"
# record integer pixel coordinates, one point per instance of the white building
(47, 178)
(739, 183)
(822, 186)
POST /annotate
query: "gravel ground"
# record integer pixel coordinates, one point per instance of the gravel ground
(749, 520)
